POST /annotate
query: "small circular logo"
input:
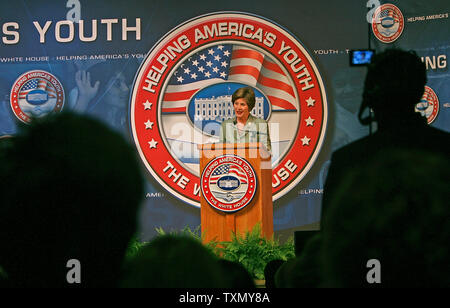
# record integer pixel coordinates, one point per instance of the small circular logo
(387, 23)
(428, 105)
(36, 94)
(229, 183)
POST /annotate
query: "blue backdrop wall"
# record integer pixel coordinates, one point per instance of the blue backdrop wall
(115, 41)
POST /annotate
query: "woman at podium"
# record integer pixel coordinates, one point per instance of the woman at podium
(244, 127)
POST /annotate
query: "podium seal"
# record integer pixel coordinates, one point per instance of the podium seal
(229, 183)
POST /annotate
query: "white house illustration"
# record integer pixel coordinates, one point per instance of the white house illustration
(221, 108)
(228, 183)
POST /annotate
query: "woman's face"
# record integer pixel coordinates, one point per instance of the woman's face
(118, 91)
(241, 109)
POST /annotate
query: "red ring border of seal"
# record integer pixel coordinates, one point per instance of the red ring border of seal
(429, 92)
(304, 149)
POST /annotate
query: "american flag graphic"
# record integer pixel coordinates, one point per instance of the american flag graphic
(388, 13)
(37, 84)
(232, 63)
(228, 169)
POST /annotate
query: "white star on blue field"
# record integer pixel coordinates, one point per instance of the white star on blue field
(212, 62)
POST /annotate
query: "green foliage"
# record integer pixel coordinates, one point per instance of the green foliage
(135, 244)
(254, 251)
(186, 231)
(196, 234)
(250, 249)
(3, 274)
(133, 248)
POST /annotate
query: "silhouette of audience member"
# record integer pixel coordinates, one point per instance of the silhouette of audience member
(3, 277)
(393, 209)
(236, 274)
(171, 261)
(5, 143)
(385, 195)
(394, 84)
(302, 271)
(270, 270)
(346, 93)
(71, 188)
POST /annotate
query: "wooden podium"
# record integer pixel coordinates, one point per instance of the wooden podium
(217, 224)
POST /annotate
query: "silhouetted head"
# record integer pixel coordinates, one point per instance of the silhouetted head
(236, 274)
(270, 270)
(171, 261)
(302, 271)
(394, 84)
(5, 142)
(71, 188)
(393, 209)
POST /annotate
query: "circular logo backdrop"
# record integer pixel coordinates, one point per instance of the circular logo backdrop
(183, 89)
(387, 23)
(428, 105)
(36, 94)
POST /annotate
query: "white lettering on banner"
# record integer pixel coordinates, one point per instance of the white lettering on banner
(9, 32)
(109, 24)
(37, 59)
(236, 29)
(58, 27)
(70, 27)
(11, 59)
(309, 191)
(126, 29)
(107, 57)
(170, 53)
(283, 173)
(428, 17)
(178, 178)
(155, 195)
(196, 189)
(42, 30)
(435, 62)
(87, 57)
(328, 51)
(437, 16)
(292, 58)
(93, 36)
(418, 18)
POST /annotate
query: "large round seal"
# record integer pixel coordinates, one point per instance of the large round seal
(183, 89)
